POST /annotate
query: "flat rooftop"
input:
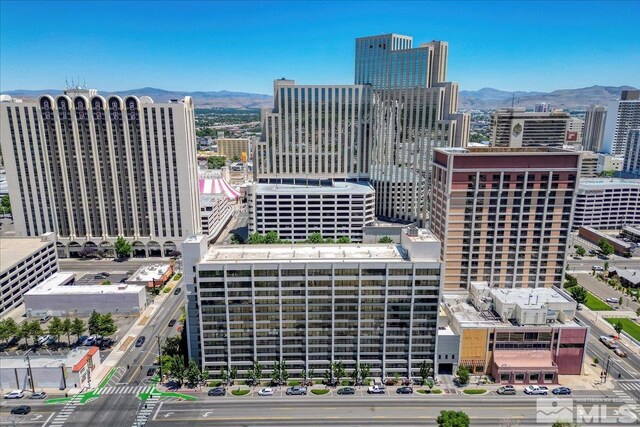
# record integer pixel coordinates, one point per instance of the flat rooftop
(62, 284)
(421, 235)
(527, 297)
(148, 273)
(504, 150)
(303, 253)
(15, 249)
(604, 183)
(336, 188)
(68, 360)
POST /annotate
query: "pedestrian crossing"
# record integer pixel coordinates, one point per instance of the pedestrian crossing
(64, 414)
(125, 389)
(630, 385)
(145, 411)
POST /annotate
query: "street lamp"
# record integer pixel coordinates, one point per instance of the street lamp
(30, 372)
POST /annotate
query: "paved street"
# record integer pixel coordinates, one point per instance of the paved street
(603, 291)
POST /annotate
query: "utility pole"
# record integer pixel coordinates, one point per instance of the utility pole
(33, 389)
(159, 356)
(606, 369)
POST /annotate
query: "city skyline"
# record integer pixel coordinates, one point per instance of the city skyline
(224, 46)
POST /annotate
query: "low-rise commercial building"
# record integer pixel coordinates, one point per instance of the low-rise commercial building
(295, 211)
(311, 305)
(24, 262)
(60, 372)
(518, 336)
(609, 163)
(631, 233)
(595, 236)
(152, 276)
(629, 278)
(59, 296)
(607, 204)
(589, 165)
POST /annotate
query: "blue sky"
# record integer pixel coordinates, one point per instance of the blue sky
(244, 46)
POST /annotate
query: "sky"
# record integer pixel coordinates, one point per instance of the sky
(244, 46)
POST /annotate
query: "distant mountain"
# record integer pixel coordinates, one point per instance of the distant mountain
(483, 99)
(489, 98)
(211, 99)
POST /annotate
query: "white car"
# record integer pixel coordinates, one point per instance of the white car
(612, 300)
(266, 392)
(15, 394)
(534, 389)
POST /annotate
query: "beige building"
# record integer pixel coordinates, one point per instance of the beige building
(232, 148)
(515, 127)
(503, 214)
(589, 166)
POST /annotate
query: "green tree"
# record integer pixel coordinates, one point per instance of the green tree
(65, 329)
(235, 159)
(122, 247)
(193, 373)
(620, 301)
(35, 330)
(236, 239)
(355, 374)
(271, 238)
(570, 281)
(385, 239)
(171, 345)
(78, 327)
(564, 424)
(453, 419)
(284, 372)
(312, 373)
(204, 376)
(315, 238)
(396, 377)
(257, 370)
(605, 247)
(176, 369)
(365, 371)
(94, 323)
(338, 370)
(329, 240)
(606, 265)
(344, 239)
(5, 205)
(618, 327)
(430, 384)
(55, 328)
(233, 373)
(579, 294)
(463, 374)
(256, 239)
(107, 325)
(8, 329)
(596, 360)
(106, 282)
(24, 332)
(275, 374)
(216, 162)
(580, 251)
(425, 370)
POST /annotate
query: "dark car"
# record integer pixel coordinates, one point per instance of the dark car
(124, 279)
(21, 410)
(404, 390)
(105, 274)
(151, 372)
(218, 391)
(81, 340)
(172, 322)
(177, 291)
(347, 390)
(561, 390)
(140, 341)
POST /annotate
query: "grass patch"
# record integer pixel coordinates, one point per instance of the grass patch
(475, 391)
(240, 392)
(320, 391)
(628, 326)
(293, 383)
(166, 290)
(214, 383)
(596, 304)
(432, 391)
(347, 383)
(177, 276)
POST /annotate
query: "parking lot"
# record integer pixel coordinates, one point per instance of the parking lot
(98, 279)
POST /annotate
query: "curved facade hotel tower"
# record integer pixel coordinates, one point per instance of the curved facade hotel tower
(92, 168)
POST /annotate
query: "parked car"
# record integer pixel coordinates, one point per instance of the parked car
(172, 322)
(81, 340)
(38, 395)
(296, 390)
(177, 291)
(15, 394)
(43, 339)
(45, 319)
(105, 274)
(90, 341)
(612, 300)
(140, 341)
(597, 268)
(404, 390)
(506, 389)
(124, 280)
(218, 391)
(21, 410)
(266, 392)
(561, 390)
(376, 390)
(347, 390)
(151, 372)
(535, 389)
(620, 352)
(52, 340)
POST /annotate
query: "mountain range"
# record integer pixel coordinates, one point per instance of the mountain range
(483, 99)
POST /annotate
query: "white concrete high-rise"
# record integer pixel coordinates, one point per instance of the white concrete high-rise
(92, 169)
(632, 155)
(622, 116)
(594, 128)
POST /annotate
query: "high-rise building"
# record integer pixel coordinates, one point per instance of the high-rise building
(312, 305)
(232, 148)
(414, 110)
(91, 169)
(622, 116)
(503, 214)
(607, 204)
(515, 127)
(632, 153)
(594, 121)
(542, 107)
(574, 132)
